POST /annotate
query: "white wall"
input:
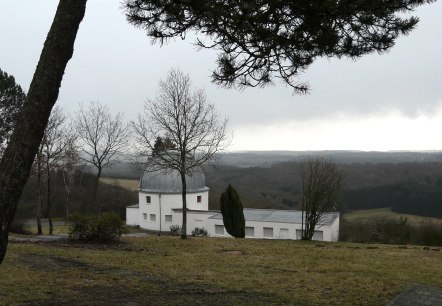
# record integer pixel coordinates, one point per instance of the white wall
(275, 230)
(132, 216)
(166, 203)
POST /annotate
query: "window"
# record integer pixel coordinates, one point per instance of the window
(168, 218)
(268, 232)
(219, 230)
(145, 216)
(283, 233)
(198, 199)
(318, 235)
(153, 217)
(148, 199)
(298, 234)
(250, 231)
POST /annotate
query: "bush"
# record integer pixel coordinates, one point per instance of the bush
(105, 227)
(175, 229)
(391, 232)
(199, 232)
(428, 233)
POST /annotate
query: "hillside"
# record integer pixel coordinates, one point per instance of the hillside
(411, 182)
(213, 271)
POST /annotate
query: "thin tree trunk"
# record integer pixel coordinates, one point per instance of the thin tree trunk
(184, 198)
(67, 180)
(48, 201)
(68, 200)
(42, 95)
(39, 196)
(94, 200)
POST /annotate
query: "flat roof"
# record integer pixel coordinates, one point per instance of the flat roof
(280, 216)
(133, 206)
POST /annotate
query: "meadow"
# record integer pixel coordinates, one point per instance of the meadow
(386, 213)
(202, 271)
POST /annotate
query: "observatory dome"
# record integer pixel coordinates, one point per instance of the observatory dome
(169, 181)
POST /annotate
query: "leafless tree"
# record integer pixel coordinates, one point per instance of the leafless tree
(189, 121)
(321, 183)
(53, 145)
(102, 137)
(69, 164)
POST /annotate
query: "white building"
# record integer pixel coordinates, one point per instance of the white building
(160, 207)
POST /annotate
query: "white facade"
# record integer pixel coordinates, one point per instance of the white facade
(160, 207)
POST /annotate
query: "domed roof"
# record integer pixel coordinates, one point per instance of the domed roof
(170, 181)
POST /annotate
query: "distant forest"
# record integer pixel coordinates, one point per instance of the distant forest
(413, 187)
(405, 182)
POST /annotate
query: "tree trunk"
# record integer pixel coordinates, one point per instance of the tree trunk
(184, 198)
(94, 200)
(39, 196)
(68, 200)
(48, 200)
(42, 95)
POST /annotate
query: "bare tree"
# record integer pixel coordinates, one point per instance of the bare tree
(102, 137)
(53, 145)
(321, 183)
(69, 164)
(189, 121)
(19, 155)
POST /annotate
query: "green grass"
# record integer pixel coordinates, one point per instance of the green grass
(369, 214)
(132, 185)
(167, 270)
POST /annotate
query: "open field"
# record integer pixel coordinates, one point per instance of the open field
(370, 214)
(132, 185)
(203, 271)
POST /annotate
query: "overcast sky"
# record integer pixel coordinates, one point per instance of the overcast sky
(380, 102)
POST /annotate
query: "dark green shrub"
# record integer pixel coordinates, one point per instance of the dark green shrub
(105, 227)
(109, 227)
(232, 211)
(428, 233)
(175, 229)
(199, 232)
(83, 227)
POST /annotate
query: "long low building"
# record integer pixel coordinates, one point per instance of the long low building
(160, 207)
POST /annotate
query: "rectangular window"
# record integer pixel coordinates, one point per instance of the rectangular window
(145, 216)
(250, 231)
(283, 233)
(298, 234)
(268, 232)
(318, 235)
(153, 217)
(168, 218)
(198, 199)
(219, 230)
(148, 199)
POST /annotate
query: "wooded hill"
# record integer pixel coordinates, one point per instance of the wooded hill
(407, 182)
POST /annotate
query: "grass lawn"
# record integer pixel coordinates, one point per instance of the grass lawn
(370, 214)
(132, 185)
(203, 271)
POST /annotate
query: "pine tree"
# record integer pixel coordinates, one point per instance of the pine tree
(232, 211)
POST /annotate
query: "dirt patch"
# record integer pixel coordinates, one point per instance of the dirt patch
(233, 252)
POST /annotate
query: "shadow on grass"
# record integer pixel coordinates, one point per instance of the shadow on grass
(135, 288)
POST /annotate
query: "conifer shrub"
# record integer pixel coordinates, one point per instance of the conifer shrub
(232, 211)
